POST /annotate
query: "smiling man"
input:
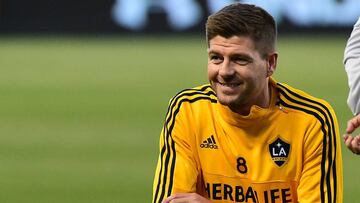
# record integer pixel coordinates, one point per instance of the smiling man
(245, 137)
(239, 74)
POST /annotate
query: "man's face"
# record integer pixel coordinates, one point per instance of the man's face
(237, 72)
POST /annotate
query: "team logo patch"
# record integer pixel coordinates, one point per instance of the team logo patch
(279, 151)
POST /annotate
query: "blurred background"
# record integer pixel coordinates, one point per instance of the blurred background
(84, 86)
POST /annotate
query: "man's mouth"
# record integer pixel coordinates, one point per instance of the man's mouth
(229, 84)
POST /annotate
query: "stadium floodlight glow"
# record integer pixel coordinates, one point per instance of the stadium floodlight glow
(184, 14)
(133, 14)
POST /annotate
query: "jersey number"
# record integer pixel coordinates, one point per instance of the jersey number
(241, 165)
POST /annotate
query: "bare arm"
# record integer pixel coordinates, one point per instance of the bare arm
(186, 198)
(353, 143)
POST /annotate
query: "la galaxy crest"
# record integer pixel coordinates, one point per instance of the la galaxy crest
(279, 151)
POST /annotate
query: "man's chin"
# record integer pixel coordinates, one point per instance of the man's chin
(226, 100)
(228, 91)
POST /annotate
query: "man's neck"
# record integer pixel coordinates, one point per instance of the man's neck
(244, 110)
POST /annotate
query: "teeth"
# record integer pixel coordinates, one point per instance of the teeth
(229, 84)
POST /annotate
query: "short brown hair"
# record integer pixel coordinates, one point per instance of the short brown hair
(244, 20)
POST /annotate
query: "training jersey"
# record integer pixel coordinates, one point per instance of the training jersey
(288, 152)
(352, 67)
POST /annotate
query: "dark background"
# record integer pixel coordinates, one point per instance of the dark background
(94, 16)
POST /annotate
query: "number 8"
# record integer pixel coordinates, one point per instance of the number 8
(241, 165)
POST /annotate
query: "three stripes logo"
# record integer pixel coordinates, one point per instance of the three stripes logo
(209, 143)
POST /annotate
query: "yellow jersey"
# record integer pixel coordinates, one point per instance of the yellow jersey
(288, 152)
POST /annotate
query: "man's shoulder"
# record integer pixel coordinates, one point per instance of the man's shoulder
(191, 95)
(193, 101)
(302, 101)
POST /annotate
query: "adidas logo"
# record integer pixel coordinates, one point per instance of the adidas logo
(209, 143)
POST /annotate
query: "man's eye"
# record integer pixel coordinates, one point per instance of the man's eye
(241, 61)
(215, 58)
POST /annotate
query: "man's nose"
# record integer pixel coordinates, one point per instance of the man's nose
(226, 69)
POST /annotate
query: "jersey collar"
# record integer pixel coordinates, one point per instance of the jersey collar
(256, 113)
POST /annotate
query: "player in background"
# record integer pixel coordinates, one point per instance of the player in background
(352, 67)
(245, 137)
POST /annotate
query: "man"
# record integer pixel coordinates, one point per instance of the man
(245, 137)
(352, 67)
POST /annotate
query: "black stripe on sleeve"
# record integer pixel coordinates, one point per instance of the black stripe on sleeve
(324, 144)
(333, 133)
(332, 140)
(168, 148)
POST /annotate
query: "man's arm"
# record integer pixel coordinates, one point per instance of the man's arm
(353, 143)
(176, 170)
(186, 198)
(352, 67)
(321, 179)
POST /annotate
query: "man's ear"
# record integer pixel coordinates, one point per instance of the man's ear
(271, 63)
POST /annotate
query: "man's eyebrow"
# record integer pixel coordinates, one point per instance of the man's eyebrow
(212, 52)
(241, 56)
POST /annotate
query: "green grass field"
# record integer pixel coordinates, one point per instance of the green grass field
(80, 117)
